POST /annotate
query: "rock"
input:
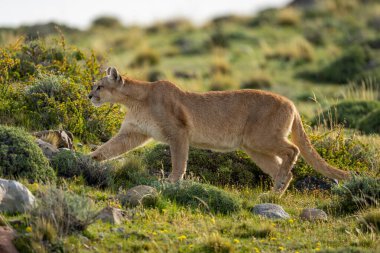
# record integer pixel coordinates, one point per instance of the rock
(58, 138)
(271, 211)
(48, 149)
(110, 215)
(141, 194)
(15, 197)
(6, 237)
(314, 183)
(313, 214)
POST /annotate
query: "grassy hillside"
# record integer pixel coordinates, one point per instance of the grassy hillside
(324, 57)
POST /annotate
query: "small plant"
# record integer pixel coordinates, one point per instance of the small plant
(358, 193)
(204, 196)
(298, 50)
(370, 221)
(20, 157)
(220, 65)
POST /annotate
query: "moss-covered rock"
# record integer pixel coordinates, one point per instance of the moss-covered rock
(21, 157)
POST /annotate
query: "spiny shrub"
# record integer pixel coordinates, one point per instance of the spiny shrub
(347, 113)
(206, 197)
(358, 193)
(69, 164)
(370, 124)
(370, 221)
(232, 168)
(21, 157)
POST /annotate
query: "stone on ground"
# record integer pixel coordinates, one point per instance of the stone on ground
(111, 215)
(15, 197)
(313, 214)
(48, 149)
(271, 211)
(141, 194)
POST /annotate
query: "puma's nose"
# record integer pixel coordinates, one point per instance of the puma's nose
(90, 96)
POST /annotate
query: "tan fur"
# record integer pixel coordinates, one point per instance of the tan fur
(255, 121)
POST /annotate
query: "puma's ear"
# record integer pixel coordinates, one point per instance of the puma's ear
(113, 74)
(108, 71)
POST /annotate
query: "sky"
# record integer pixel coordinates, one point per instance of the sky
(80, 13)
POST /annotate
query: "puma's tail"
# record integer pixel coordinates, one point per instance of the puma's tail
(311, 156)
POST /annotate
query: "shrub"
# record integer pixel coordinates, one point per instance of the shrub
(69, 164)
(107, 22)
(260, 80)
(345, 68)
(298, 50)
(232, 168)
(249, 230)
(221, 82)
(347, 113)
(146, 57)
(21, 157)
(214, 243)
(204, 196)
(370, 124)
(288, 17)
(218, 38)
(344, 152)
(358, 193)
(220, 65)
(370, 221)
(56, 80)
(349, 249)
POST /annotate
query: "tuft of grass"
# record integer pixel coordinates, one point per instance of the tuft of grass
(370, 124)
(204, 196)
(222, 82)
(215, 243)
(250, 229)
(146, 57)
(370, 221)
(220, 65)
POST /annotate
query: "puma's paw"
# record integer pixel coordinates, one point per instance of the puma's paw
(174, 178)
(96, 156)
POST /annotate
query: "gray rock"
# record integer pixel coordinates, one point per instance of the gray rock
(141, 194)
(48, 149)
(111, 215)
(15, 197)
(271, 211)
(313, 214)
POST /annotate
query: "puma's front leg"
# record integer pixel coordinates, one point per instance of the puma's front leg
(119, 144)
(179, 149)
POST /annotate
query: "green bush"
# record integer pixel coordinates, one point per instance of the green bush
(345, 152)
(347, 67)
(69, 164)
(370, 124)
(106, 22)
(204, 196)
(358, 193)
(146, 57)
(47, 86)
(347, 113)
(232, 168)
(21, 157)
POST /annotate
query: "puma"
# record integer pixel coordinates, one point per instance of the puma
(258, 122)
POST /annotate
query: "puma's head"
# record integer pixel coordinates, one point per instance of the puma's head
(104, 90)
